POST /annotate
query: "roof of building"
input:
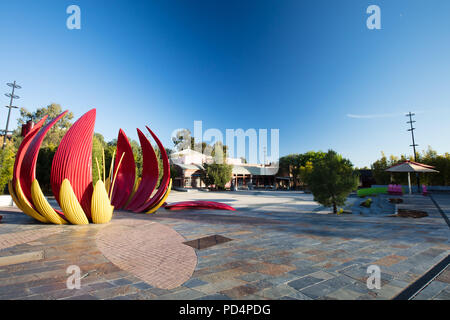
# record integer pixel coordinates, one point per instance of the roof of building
(238, 170)
(185, 152)
(255, 170)
(189, 166)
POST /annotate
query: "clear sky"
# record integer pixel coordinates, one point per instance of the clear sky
(309, 68)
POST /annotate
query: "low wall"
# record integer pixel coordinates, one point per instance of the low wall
(414, 188)
(6, 201)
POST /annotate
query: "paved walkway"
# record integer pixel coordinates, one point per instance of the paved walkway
(281, 248)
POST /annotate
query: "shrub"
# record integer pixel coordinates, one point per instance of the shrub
(217, 174)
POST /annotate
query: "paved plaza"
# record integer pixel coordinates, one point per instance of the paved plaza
(283, 246)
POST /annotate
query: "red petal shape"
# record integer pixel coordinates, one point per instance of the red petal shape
(199, 205)
(73, 161)
(28, 169)
(164, 181)
(123, 187)
(150, 173)
(23, 148)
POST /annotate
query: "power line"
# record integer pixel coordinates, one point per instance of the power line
(414, 145)
(12, 96)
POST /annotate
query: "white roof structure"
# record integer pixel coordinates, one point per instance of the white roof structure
(189, 156)
(411, 166)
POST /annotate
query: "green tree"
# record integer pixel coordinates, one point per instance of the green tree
(98, 147)
(183, 140)
(160, 164)
(332, 179)
(217, 175)
(7, 157)
(297, 165)
(219, 152)
(379, 172)
(44, 167)
(305, 171)
(54, 136)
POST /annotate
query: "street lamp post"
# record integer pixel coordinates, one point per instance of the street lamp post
(11, 95)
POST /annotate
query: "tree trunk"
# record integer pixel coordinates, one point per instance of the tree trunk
(334, 208)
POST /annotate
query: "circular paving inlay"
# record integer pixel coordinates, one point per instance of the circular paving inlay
(148, 250)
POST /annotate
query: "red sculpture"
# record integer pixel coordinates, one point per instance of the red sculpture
(199, 205)
(23, 148)
(159, 195)
(71, 177)
(126, 176)
(73, 161)
(28, 168)
(150, 174)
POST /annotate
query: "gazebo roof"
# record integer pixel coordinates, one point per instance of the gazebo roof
(411, 166)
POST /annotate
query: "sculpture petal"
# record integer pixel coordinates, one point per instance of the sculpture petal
(161, 202)
(126, 175)
(42, 205)
(199, 204)
(150, 173)
(23, 148)
(101, 209)
(28, 168)
(26, 206)
(73, 161)
(12, 193)
(164, 181)
(70, 205)
(135, 189)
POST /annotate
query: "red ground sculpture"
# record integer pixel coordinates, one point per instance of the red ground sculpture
(199, 205)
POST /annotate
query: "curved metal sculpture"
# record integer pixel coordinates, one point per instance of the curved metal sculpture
(142, 200)
(23, 148)
(73, 161)
(126, 175)
(150, 174)
(158, 199)
(71, 176)
(28, 166)
(199, 205)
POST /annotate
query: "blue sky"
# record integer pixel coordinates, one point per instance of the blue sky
(309, 68)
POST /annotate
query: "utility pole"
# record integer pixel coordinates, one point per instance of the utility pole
(414, 145)
(12, 96)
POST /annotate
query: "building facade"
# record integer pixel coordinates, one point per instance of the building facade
(189, 166)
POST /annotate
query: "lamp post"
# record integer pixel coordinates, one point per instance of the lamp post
(12, 96)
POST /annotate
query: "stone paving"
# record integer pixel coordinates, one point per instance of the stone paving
(283, 247)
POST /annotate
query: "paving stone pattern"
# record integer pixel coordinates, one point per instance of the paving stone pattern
(281, 248)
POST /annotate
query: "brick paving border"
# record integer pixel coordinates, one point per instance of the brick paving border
(12, 239)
